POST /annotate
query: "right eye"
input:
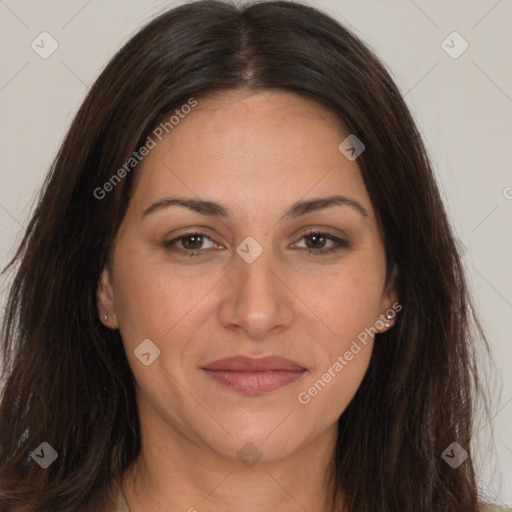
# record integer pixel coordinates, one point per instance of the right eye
(190, 244)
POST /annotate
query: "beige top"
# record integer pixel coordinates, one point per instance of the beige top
(122, 506)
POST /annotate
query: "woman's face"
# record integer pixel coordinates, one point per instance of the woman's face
(245, 277)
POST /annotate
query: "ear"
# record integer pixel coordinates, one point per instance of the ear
(105, 300)
(389, 305)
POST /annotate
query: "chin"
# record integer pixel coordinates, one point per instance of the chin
(263, 437)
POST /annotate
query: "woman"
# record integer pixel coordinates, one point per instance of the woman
(239, 289)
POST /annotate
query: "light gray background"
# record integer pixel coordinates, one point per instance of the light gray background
(463, 107)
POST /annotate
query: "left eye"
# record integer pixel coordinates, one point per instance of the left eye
(316, 239)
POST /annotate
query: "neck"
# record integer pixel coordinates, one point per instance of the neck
(177, 473)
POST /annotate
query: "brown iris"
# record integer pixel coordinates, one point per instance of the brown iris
(318, 241)
(195, 241)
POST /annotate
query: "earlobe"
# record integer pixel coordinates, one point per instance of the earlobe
(390, 303)
(105, 300)
(387, 319)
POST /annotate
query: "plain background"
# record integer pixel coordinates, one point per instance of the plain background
(462, 105)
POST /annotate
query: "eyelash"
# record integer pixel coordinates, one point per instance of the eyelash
(339, 244)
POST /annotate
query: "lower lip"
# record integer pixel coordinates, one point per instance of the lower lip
(255, 383)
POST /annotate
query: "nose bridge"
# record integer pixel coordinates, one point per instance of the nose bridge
(258, 301)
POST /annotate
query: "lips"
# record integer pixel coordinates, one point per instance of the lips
(254, 376)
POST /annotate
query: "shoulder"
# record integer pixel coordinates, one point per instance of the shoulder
(122, 506)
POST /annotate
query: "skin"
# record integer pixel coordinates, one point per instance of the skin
(256, 154)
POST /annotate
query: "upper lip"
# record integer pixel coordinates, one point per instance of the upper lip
(250, 364)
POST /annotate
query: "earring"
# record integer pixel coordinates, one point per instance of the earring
(388, 316)
(105, 317)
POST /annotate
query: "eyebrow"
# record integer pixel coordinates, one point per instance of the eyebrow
(213, 209)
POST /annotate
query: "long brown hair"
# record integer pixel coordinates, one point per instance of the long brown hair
(66, 380)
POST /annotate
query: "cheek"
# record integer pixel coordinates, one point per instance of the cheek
(350, 310)
(152, 296)
(348, 301)
(350, 306)
(325, 396)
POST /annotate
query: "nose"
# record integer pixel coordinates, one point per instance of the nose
(258, 300)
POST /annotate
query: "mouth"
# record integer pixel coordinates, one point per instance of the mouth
(254, 376)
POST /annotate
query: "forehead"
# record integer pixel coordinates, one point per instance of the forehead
(262, 147)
